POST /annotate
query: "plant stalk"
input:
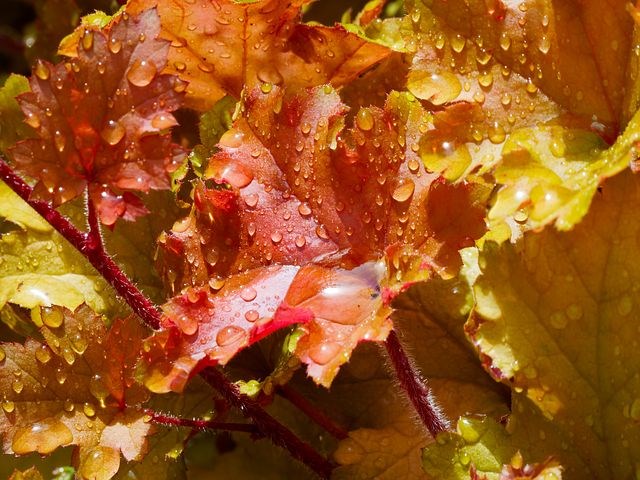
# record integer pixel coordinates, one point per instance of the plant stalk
(415, 387)
(93, 250)
(200, 425)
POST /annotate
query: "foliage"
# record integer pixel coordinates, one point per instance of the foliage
(450, 180)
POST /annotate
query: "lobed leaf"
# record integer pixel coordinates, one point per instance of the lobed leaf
(100, 120)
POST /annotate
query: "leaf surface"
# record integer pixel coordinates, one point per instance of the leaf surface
(101, 118)
(222, 47)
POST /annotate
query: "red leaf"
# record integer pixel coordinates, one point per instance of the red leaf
(101, 119)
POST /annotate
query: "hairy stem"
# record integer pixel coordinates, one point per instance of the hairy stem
(278, 433)
(318, 416)
(93, 250)
(201, 425)
(89, 247)
(415, 387)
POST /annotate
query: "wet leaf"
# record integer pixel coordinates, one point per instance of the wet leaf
(221, 48)
(101, 119)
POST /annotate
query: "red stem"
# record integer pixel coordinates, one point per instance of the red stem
(89, 247)
(318, 416)
(92, 248)
(278, 433)
(415, 387)
(201, 425)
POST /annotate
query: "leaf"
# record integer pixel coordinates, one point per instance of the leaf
(289, 159)
(30, 474)
(65, 391)
(103, 127)
(537, 41)
(39, 268)
(11, 117)
(221, 48)
(551, 173)
(550, 318)
(482, 450)
(431, 316)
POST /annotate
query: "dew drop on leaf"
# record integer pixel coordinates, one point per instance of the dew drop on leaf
(115, 45)
(8, 406)
(100, 463)
(17, 386)
(403, 191)
(324, 352)
(32, 120)
(248, 294)
(41, 70)
(43, 354)
(162, 121)
(87, 40)
(52, 317)
(3, 355)
(229, 335)
(42, 437)
(251, 315)
(98, 389)
(468, 431)
(364, 120)
(141, 73)
(89, 410)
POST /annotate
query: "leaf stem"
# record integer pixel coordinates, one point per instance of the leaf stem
(150, 314)
(318, 416)
(201, 425)
(86, 244)
(415, 387)
(278, 433)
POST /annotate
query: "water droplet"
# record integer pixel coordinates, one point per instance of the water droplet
(232, 138)
(437, 88)
(304, 210)
(266, 87)
(98, 462)
(545, 45)
(457, 43)
(229, 335)
(89, 410)
(364, 119)
(468, 431)
(17, 386)
(251, 315)
(558, 320)
(41, 70)
(216, 283)
(3, 355)
(69, 406)
(270, 75)
(87, 40)
(68, 355)
(115, 45)
(42, 437)
(248, 294)
(142, 72)
(404, 190)
(32, 120)
(300, 241)
(98, 389)
(497, 133)
(276, 237)
(59, 140)
(206, 67)
(8, 406)
(505, 41)
(634, 409)
(324, 352)
(162, 121)
(43, 354)
(113, 132)
(51, 316)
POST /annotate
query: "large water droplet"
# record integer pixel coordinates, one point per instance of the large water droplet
(364, 119)
(248, 294)
(42, 437)
(51, 316)
(113, 132)
(438, 88)
(229, 335)
(468, 431)
(41, 70)
(142, 72)
(404, 190)
(98, 389)
(324, 352)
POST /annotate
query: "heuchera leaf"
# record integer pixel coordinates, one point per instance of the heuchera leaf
(73, 389)
(222, 47)
(325, 205)
(431, 315)
(101, 119)
(39, 268)
(554, 321)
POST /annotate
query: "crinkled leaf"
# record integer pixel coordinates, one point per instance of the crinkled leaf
(71, 390)
(555, 319)
(12, 126)
(100, 120)
(222, 47)
(39, 268)
(296, 179)
(480, 449)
